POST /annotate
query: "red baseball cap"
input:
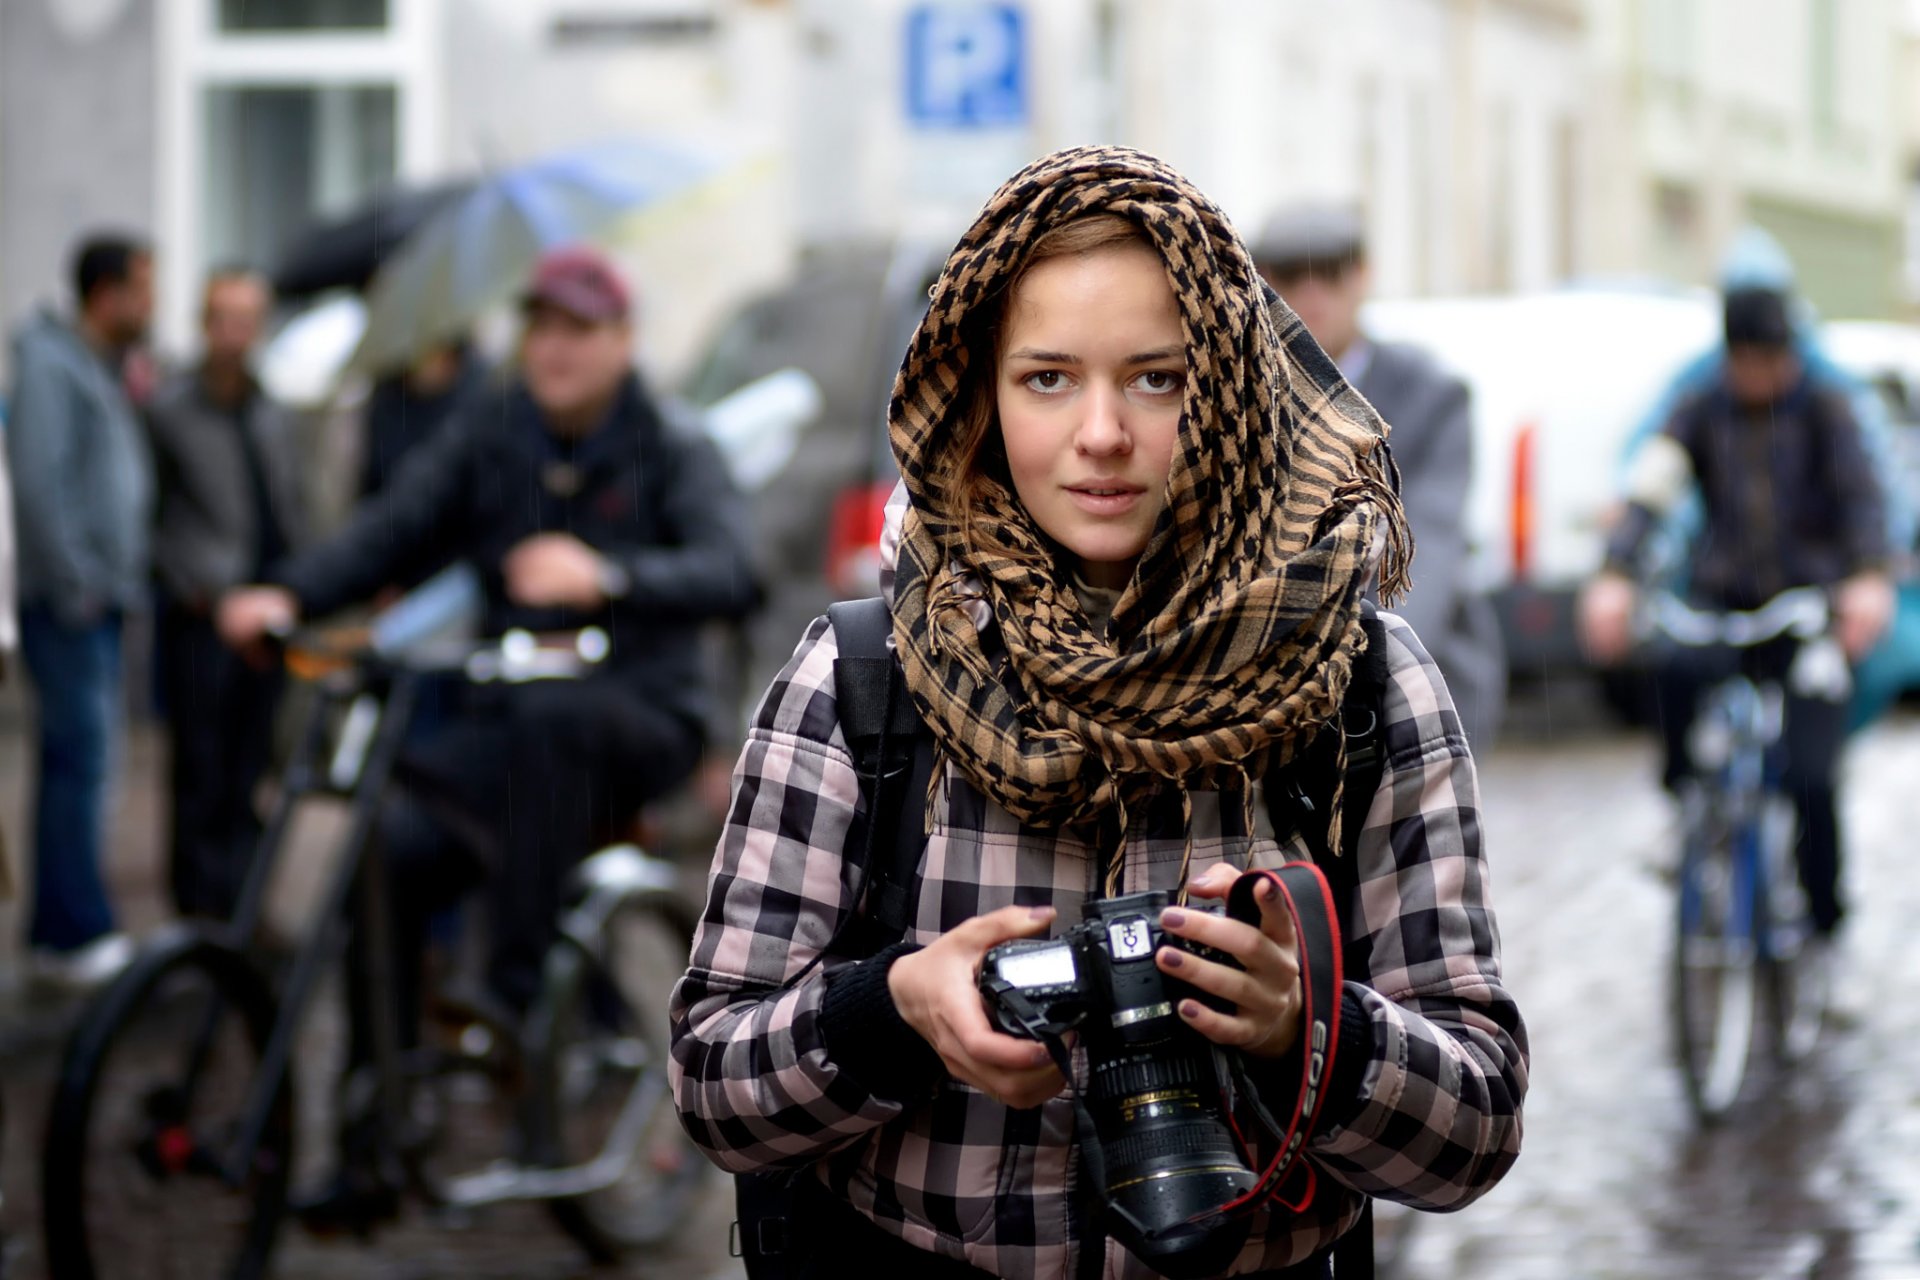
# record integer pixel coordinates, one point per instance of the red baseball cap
(581, 282)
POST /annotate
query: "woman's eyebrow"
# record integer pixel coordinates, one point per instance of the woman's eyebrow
(1061, 357)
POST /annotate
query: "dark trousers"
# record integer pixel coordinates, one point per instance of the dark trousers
(510, 793)
(76, 682)
(1815, 731)
(220, 713)
(830, 1238)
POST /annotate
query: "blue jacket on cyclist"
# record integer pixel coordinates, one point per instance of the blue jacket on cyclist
(1790, 499)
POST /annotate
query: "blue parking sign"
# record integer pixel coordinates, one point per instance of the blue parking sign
(966, 65)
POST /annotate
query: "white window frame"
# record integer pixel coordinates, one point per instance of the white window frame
(194, 56)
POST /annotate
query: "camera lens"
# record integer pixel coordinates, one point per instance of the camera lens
(1168, 1152)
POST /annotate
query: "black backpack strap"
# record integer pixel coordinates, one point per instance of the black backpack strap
(1300, 796)
(1361, 714)
(893, 754)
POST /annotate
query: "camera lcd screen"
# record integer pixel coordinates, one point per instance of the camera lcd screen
(1041, 967)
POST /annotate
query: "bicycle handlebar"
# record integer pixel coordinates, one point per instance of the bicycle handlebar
(1800, 612)
(514, 658)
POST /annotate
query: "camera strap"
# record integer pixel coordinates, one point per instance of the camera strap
(1302, 890)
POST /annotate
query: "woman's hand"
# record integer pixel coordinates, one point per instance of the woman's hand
(937, 991)
(1265, 990)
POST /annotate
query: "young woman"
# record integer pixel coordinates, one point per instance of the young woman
(1143, 510)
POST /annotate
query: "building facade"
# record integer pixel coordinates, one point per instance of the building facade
(1491, 144)
(223, 128)
(1789, 114)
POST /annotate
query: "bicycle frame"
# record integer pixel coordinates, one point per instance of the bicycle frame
(364, 780)
(1733, 932)
(1750, 716)
(378, 701)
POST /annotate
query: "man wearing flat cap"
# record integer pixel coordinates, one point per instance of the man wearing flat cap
(581, 500)
(1315, 256)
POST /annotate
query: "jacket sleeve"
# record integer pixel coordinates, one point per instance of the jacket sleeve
(1661, 474)
(43, 439)
(1437, 467)
(405, 532)
(704, 569)
(1436, 1120)
(758, 1074)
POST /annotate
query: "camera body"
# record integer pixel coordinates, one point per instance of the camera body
(1154, 1086)
(1103, 965)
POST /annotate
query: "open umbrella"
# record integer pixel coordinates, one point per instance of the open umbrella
(476, 252)
(345, 252)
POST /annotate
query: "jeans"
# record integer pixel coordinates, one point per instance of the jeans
(76, 675)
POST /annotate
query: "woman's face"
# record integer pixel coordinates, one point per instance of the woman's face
(1091, 373)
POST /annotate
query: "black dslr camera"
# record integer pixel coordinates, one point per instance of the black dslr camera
(1155, 1084)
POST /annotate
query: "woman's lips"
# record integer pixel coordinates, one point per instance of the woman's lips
(1105, 499)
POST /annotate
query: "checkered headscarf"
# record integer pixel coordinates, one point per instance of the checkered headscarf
(1237, 635)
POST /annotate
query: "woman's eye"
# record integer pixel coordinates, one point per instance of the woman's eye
(1160, 382)
(1046, 382)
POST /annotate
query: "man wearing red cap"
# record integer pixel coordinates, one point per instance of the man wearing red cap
(581, 501)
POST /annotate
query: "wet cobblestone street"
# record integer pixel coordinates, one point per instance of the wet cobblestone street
(1816, 1176)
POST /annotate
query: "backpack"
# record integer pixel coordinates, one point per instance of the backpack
(893, 753)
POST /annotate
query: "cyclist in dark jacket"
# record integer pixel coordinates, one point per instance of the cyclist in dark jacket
(581, 501)
(1790, 500)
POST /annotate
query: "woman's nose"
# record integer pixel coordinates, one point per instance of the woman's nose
(1103, 430)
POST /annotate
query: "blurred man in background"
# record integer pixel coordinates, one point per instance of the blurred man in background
(406, 408)
(582, 501)
(83, 499)
(1790, 499)
(1315, 256)
(230, 508)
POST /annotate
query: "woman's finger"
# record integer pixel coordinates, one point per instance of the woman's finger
(1246, 990)
(1241, 941)
(1221, 1028)
(1003, 925)
(1215, 882)
(1275, 920)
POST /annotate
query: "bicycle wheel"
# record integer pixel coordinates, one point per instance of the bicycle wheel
(1715, 986)
(599, 1044)
(150, 1098)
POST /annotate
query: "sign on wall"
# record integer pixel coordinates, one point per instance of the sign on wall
(966, 65)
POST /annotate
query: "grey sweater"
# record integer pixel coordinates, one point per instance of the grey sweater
(83, 489)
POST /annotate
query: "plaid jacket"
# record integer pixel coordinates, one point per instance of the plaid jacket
(1433, 1116)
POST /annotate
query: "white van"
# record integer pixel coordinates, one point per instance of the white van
(1559, 382)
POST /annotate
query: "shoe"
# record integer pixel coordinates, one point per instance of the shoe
(347, 1203)
(84, 968)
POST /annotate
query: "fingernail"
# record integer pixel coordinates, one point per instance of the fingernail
(1040, 913)
(1173, 917)
(1040, 1057)
(1189, 1008)
(1171, 958)
(1267, 891)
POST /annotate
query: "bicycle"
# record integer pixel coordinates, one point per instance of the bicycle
(1742, 931)
(171, 1137)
